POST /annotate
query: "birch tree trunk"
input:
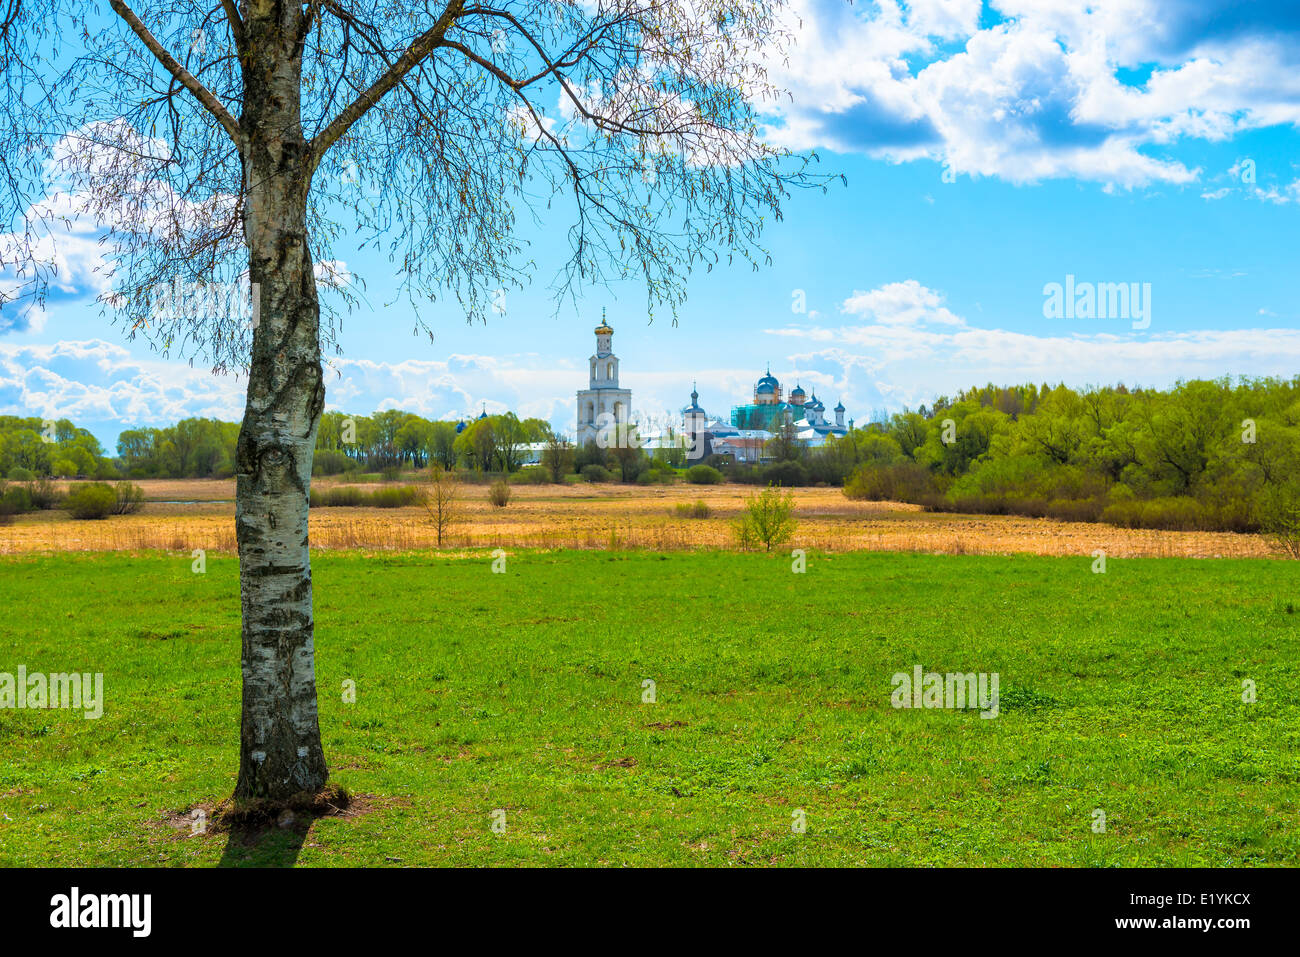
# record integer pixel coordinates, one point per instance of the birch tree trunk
(280, 746)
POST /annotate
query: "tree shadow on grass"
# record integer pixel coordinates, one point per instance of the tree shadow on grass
(272, 834)
(264, 846)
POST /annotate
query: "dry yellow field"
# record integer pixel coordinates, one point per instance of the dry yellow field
(183, 515)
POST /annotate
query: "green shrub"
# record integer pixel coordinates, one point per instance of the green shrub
(499, 493)
(330, 462)
(657, 474)
(20, 474)
(695, 510)
(1169, 513)
(768, 519)
(786, 474)
(901, 482)
(595, 473)
(130, 498)
(16, 499)
(393, 497)
(1077, 510)
(45, 494)
(703, 475)
(1277, 511)
(532, 475)
(91, 500)
(349, 497)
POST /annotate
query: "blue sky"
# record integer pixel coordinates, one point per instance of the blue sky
(989, 149)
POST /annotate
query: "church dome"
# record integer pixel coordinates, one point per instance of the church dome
(765, 387)
(694, 407)
(798, 393)
(839, 407)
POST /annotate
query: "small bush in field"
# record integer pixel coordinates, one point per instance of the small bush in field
(349, 497)
(91, 500)
(499, 493)
(531, 475)
(15, 499)
(393, 497)
(45, 494)
(130, 498)
(703, 475)
(328, 462)
(595, 473)
(695, 510)
(768, 520)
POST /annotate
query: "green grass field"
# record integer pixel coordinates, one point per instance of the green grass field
(523, 692)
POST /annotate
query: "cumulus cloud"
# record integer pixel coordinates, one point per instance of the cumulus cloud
(908, 347)
(1052, 89)
(906, 303)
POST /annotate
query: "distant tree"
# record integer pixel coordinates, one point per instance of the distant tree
(537, 430)
(477, 445)
(557, 457)
(909, 430)
(511, 437)
(412, 440)
(440, 498)
(626, 451)
(441, 444)
(784, 446)
(589, 453)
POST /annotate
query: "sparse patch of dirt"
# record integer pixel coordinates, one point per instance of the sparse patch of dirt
(617, 763)
(246, 821)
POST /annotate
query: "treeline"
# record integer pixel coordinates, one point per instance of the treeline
(43, 448)
(1204, 455)
(192, 448)
(394, 439)
(1207, 455)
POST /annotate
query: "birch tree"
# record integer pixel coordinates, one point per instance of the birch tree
(240, 144)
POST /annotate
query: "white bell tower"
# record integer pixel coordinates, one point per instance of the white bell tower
(602, 404)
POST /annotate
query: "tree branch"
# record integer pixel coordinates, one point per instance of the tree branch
(236, 24)
(423, 45)
(182, 75)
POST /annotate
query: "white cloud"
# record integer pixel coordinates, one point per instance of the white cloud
(900, 303)
(910, 348)
(1038, 95)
